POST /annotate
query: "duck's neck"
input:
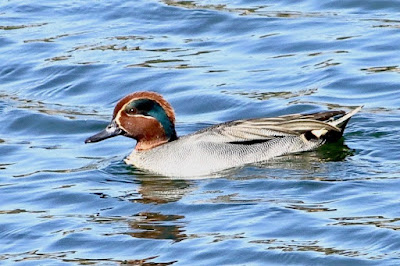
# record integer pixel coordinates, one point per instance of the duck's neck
(150, 141)
(147, 145)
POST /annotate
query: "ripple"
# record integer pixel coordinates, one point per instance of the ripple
(378, 221)
(35, 255)
(53, 39)
(382, 69)
(52, 109)
(246, 11)
(307, 246)
(17, 27)
(261, 95)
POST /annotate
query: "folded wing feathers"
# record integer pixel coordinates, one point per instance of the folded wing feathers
(241, 134)
(270, 128)
(339, 122)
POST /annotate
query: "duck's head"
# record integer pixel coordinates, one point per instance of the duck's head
(144, 116)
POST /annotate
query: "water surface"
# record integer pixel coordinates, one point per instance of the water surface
(64, 65)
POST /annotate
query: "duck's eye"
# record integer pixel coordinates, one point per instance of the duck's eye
(131, 111)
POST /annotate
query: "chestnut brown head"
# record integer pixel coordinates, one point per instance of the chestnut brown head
(144, 116)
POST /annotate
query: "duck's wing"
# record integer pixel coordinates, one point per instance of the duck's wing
(316, 125)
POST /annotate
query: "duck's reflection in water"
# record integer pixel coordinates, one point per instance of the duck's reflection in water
(153, 225)
(157, 225)
(159, 190)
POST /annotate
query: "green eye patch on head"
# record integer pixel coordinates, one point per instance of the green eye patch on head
(151, 108)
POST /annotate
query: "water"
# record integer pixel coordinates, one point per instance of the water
(64, 65)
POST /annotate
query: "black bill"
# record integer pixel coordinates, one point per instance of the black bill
(110, 131)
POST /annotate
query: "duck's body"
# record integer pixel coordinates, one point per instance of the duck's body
(196, 155)
(148, 118)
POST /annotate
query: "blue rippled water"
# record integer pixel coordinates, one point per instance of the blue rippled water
(64, 65)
